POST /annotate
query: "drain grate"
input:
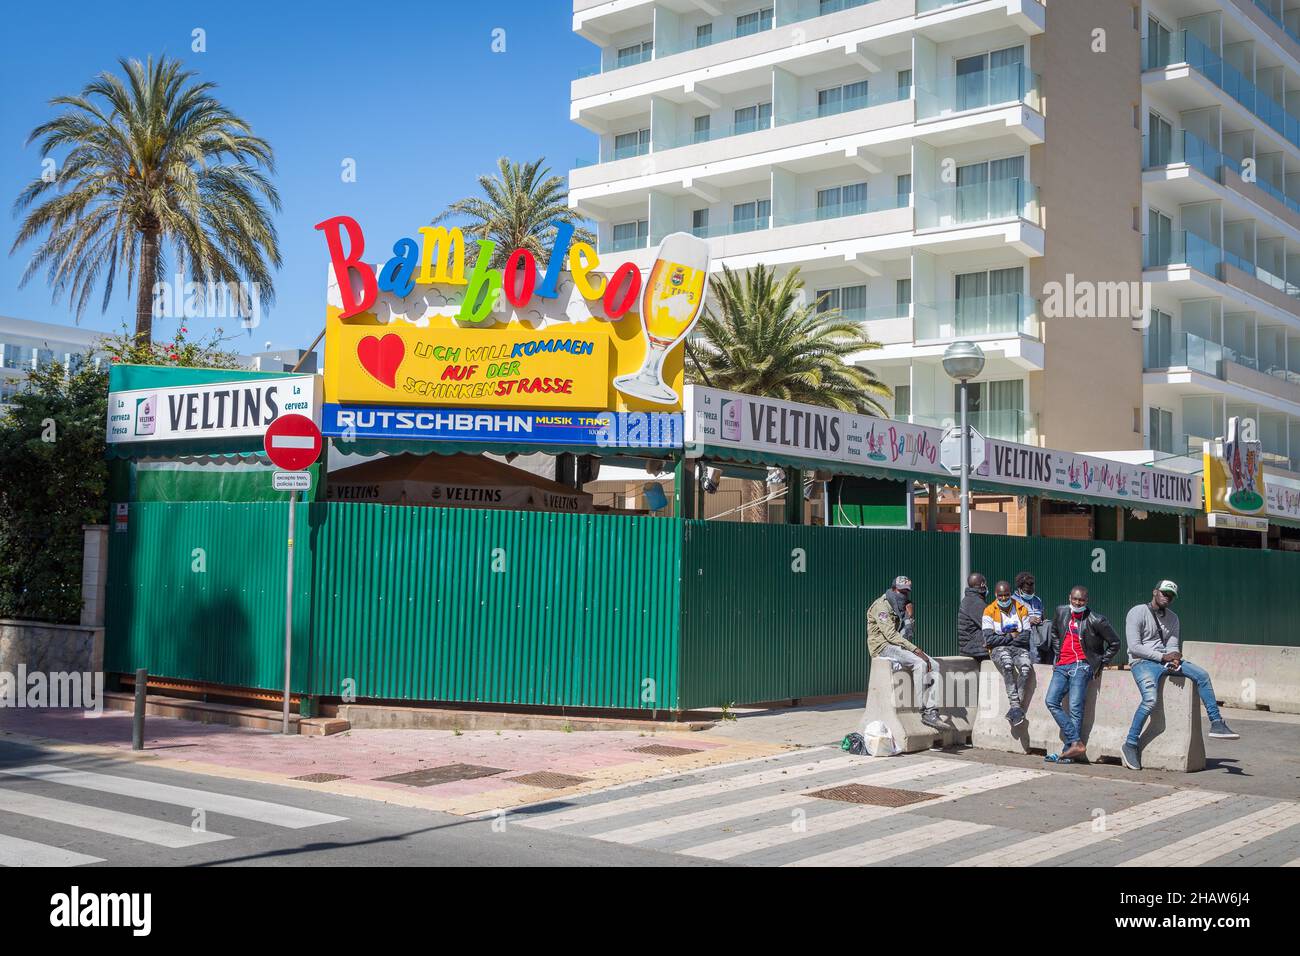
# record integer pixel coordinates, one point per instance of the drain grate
(550, 780)
(875, 796)
(320, 777)
(445, 774)
(660, 750)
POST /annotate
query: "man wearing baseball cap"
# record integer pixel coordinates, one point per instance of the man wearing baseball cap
(1154, 643)
(886, 619)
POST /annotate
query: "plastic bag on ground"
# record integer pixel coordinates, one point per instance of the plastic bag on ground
(879, 739)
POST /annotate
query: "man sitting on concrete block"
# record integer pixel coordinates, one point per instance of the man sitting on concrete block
(1006, 635)
(885, 621)
(1154, 650)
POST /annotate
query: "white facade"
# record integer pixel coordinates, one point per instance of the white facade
(883, 147)
(1221, 217)
(26, 345)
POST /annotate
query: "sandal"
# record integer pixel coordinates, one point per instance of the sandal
(1056, 758)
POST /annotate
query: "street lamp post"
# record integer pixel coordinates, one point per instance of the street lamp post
(964, 361)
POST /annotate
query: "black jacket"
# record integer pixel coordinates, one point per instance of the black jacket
(970, 624)
(1100, 642)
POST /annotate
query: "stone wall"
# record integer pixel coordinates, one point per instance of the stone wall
(50, 647)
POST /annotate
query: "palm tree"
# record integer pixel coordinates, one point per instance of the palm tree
(517, 210)
(763, 341)
(154, 160)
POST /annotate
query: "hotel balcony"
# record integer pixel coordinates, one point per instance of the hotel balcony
(980, 215)
(1198, 364)
(1006, 424)
(1007, 328)
(1184, 254)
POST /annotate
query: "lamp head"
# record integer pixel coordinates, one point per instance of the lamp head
(963, 360)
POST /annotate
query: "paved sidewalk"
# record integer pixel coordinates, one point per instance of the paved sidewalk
(361, 757)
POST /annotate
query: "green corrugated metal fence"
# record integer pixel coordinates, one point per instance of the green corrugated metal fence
(444, 604)
(404, 603)
(754, 628)
(496, 606)
(196, 591)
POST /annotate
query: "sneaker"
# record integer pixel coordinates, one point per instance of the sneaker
(931, 719)
(1016, 716)
(1130, 756)
(1220, 729)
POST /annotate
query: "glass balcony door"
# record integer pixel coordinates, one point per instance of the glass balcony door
(988, 78)
(747, 119)
(989, 190)
(1160, 341)
(1159, 44)
(1160, 238)
(1160, 140)
(989, 303)
(849, 200)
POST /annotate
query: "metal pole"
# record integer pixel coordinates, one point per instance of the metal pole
(965, 493)
(137, 719)
(288, 613)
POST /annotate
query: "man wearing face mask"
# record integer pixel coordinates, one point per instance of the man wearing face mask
(970, 618)
(886, 623)
(1154, 650)
(1006, 634)
(1039, 638)
(1083, 642)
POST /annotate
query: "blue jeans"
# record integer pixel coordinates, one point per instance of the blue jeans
(1147, 674)
(1071, 678)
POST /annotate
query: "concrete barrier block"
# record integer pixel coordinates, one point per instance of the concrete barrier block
(1173, 738)
(893, 699)
(1259, 676)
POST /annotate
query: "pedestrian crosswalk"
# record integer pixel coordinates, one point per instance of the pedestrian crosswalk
(67, 802)
(773, 812)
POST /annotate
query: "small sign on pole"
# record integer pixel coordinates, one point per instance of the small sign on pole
(293, 443)
(950, 450)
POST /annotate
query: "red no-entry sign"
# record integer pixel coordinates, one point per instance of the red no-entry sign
(292, 442)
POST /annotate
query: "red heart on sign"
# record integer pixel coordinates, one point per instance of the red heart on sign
(381, 357)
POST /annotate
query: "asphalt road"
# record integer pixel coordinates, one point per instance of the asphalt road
(65, 810)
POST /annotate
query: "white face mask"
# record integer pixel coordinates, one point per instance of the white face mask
(1079, 610)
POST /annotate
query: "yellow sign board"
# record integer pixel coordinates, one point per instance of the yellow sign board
(561, 367)
(1234, 481)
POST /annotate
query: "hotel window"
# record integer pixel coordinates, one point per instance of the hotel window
(902, 402)
(841, 99)
(700, 223)
(902, 297)
(750, 118)
(988, 78)
(850, 200)
(849, 300)
(1158, 46)
(996, 407)
(1161, 425)
(903, 190)
(631, 144)
(990, 190)
(748, 216)
(704, 35)
(701, 132)
(754, 22)
(636, 53)
(1160, 140)
(989, 303)
(631, 235)
(904, 84)
(1160, 340)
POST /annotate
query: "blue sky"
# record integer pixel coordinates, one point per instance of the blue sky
(412, 91)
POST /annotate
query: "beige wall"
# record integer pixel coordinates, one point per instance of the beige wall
(1089, 172)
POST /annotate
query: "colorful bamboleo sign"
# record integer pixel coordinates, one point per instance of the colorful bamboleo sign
(237, 409)
(1234, 480)
(747, 422)
(1281, 501)
(418, 331)
(644, 430)
(445, 494)
(1049, 470)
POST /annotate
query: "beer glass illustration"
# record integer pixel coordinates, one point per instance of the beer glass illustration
(670, 305)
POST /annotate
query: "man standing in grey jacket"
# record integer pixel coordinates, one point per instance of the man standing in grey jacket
(1154, 650)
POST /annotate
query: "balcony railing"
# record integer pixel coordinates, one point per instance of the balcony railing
(877, 313)
(624, 245)
(1290, 29)
(732, 227)
(1183, 247)
(997, 86)
(840, 210)
(1184, 147)
(1186, 350)
(1186, 47)
(989, 201)
(974, 316)
(888, 93)
(804, 10)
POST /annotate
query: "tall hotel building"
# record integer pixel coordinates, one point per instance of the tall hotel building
(993, 170)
